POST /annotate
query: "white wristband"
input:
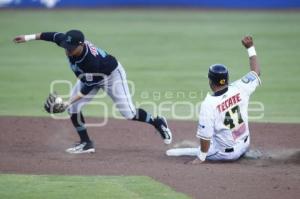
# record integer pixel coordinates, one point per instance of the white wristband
(30, 37)
(251, 51)
(201, 155)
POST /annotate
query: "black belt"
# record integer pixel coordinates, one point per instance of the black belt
(229, 150)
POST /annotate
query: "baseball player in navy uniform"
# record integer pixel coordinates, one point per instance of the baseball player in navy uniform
(223, 127)
(95, 69)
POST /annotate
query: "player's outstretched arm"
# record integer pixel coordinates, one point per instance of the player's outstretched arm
(247, 41)
(25, 38)
(204, 147)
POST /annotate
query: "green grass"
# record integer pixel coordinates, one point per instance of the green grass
(84, 187)
(162, 51)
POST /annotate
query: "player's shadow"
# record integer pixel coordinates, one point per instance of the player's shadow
(254, 157)
(268, 158)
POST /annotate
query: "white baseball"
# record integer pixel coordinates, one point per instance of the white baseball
(58, 100)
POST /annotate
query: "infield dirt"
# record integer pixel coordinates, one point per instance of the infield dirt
(32, 145)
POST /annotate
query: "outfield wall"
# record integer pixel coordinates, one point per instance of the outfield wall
(232, 4)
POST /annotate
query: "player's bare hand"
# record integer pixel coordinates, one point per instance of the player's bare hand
(247, 41)
(196, 161)
(19, 39)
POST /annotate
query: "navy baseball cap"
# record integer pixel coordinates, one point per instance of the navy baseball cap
(72, 39)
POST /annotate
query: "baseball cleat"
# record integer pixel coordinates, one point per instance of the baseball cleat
(161, 126)
(82, 147)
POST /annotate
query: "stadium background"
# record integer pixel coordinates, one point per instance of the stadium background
(269, 4)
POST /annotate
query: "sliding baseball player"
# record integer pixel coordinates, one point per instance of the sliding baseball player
(223, 127)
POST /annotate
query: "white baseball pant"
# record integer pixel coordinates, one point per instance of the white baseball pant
(214, 153)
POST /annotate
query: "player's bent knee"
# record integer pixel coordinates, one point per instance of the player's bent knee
(73, 110)
(129, 115)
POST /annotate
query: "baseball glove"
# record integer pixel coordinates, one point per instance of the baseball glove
(53, 105)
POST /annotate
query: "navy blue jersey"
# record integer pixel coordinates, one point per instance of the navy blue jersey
(91, 67)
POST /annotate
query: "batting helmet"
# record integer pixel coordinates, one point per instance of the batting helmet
(218, 74)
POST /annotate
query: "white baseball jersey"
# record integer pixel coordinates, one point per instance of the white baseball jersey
(224, 119)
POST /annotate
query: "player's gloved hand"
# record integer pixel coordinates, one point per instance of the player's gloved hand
(247, 41)
(19, 39)
(54, 104)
